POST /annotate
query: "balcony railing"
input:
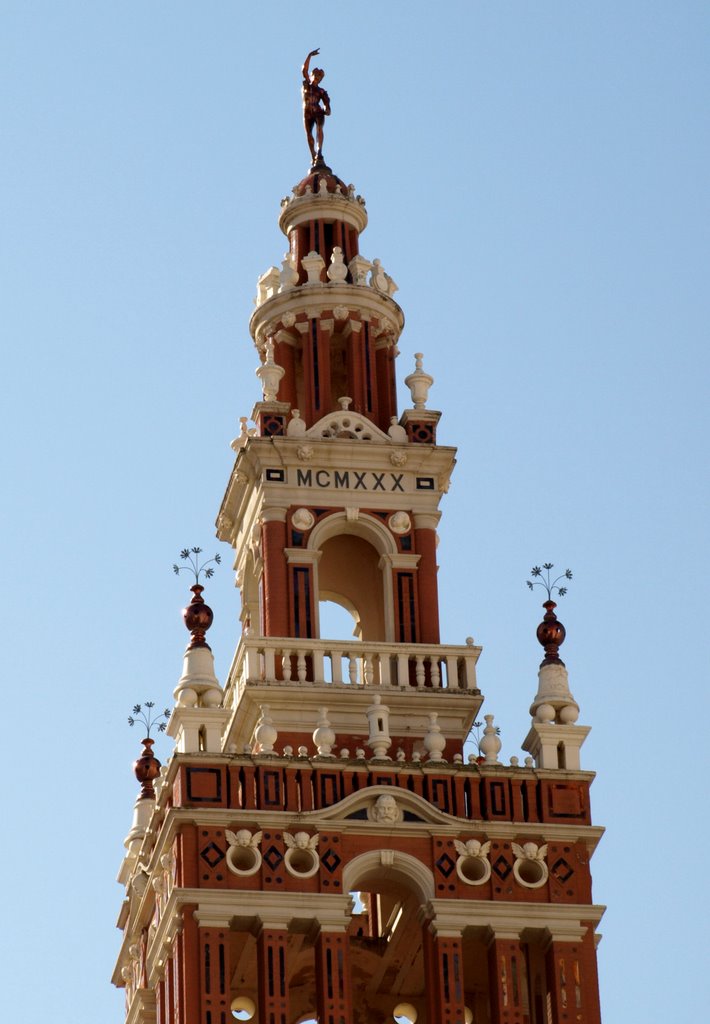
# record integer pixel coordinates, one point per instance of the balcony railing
(351, 663)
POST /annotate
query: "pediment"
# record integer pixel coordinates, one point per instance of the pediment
(346, 425)
(360, 807)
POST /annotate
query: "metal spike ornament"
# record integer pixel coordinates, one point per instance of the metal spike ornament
(198, 616)
(550, 633)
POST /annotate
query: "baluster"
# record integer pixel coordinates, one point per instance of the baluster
(286, 666)
(269, 663)
(368, 670)
(383, 662)
(301, 667)
(403, 669)
(318, 666)
(252, 660)
(336, 666)
(419, 673)
(352, 668)
(435, 673)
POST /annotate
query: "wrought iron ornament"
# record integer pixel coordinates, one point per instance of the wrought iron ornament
(144, 713)
(191, 555)
(544, 581)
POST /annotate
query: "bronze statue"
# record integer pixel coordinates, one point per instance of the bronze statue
(313, 113)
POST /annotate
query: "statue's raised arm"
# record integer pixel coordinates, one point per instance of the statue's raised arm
(316, 107)
(307, 63)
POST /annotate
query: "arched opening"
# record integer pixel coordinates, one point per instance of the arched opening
(336, 621)
(350, 576)
(386, 943)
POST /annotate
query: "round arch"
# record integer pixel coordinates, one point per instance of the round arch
(353, 569)
(370, 867)
(365, 526)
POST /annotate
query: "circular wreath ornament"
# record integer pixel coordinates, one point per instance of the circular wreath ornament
(303, 519)
(472, 865)
(301, 858)
(400, 523)
(243, 855)
(530, 868)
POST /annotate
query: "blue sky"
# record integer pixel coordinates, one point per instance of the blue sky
(536, 180)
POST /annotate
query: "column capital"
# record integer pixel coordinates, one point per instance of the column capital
(302, 556)
(399, 561)
(273, 514)
(426, 520)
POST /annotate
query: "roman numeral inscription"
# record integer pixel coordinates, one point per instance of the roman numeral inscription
(349, 480)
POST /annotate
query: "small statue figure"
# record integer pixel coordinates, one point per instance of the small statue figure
(313, 113)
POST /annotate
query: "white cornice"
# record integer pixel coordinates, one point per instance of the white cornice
(562, 922)
(306, 297)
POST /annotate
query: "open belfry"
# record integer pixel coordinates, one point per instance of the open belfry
(319, 847)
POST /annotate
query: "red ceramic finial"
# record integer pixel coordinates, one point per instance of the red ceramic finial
(550, 633)
(198, 618)
(147, 766)
(147, 769)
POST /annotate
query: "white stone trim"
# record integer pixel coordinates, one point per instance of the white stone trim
(395, 865)
(324, 296)
(563, 923)
(217, 909)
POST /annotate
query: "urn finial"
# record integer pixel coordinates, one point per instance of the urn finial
(550, 633)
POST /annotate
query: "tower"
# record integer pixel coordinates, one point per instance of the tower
(318, 846)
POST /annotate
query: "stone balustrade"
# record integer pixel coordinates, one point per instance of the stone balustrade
(339, 663)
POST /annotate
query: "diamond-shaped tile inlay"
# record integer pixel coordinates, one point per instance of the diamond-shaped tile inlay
(273, 858)
(561, 870)
(502, 868)
(330, 860)
(445, 864)
(212, 855)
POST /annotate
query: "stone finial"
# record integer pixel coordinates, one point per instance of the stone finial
(267, 285)
(419, 383)
(337, 271)
(396, 432)
(378, 278)
(243, 436)
(313, 265)
(270, 373)
(265, 734)
(359, 267)
(288, 278)
(490, 744)
(378, 717)
(323, 735)
(296, 426)
(434, 741)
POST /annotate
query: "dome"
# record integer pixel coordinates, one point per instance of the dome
(312, 182)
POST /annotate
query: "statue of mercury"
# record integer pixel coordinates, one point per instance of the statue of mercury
(316, 106)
